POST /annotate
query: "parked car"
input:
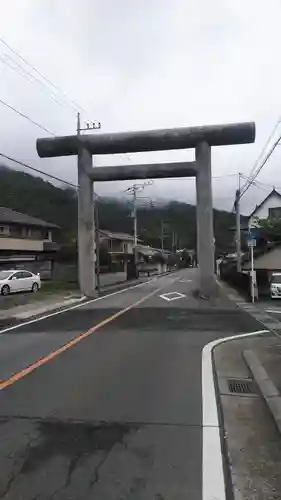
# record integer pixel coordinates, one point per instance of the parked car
(275, 286)
(18, 281)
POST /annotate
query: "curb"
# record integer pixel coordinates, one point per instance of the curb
(267, 388)
(231, 292)
(49, 308)
(259, 314)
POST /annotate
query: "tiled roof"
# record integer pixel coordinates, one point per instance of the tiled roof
(116, 236)
(9, 216)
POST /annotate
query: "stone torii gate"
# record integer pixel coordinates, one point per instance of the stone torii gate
(200, 138)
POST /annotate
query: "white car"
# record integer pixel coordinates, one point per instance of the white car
(275, 286)
(18, 281)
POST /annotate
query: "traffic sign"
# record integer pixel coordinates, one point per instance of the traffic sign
(252, 243)
(253, 233)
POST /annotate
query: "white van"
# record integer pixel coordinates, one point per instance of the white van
(275, 286)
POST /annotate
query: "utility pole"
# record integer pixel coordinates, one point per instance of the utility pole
(97, 227)
(238, 225)
(78, 127)
(162, 234)
(134, 189)
(175, 237)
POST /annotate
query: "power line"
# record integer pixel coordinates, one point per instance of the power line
(38, 171)
(76, 105)
(261, 166)
(256, 184)
(252, 174)
(193, 178)
(26, 117)
(20, 70)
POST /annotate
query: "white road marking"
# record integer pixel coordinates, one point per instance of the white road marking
(185, 281)
(272, 311)
(172, 296)
(213, 483)
(82, 304)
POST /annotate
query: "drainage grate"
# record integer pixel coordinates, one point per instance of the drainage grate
(241, 386)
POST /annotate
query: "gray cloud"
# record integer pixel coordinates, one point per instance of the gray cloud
(147, 64)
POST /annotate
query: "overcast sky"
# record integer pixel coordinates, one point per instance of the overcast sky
(145, 64)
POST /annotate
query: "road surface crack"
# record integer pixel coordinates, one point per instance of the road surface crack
(71, 468)
(96, 476)
(17, 473)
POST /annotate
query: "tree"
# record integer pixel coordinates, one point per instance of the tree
(270, 228)
(36, 197)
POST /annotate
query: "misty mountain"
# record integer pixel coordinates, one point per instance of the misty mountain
(175, 220)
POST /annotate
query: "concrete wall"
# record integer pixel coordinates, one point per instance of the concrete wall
(21, 244)
(262, 213)
(270, 261)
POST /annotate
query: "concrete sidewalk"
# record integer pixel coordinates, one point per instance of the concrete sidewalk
(252, 439)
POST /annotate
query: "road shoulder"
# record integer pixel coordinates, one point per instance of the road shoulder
(251, 441)
(60, 303)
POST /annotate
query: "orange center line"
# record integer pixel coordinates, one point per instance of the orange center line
(41, 361)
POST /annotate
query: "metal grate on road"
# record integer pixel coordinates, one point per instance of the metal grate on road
(241, 386)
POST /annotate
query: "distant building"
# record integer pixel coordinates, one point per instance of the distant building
(117, 243)
(120, 248)
(269, 207)
(26, 241)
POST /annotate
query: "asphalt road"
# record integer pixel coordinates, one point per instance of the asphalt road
(117, 414)
(273, 308)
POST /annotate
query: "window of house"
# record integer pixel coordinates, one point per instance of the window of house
(5, 230)
(125, 247)
(16, 231)
(274, 213)
(25, 232)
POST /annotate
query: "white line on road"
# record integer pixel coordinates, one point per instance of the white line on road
(82, 304)
(273, 311)
(172, 296)
(213, 483)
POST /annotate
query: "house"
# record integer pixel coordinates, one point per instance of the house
(26, 241)
(269, 207)
(267, 260)
(117, 243)
(116, 249)
(120, 249)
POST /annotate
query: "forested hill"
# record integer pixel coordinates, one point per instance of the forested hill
(34, 196)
